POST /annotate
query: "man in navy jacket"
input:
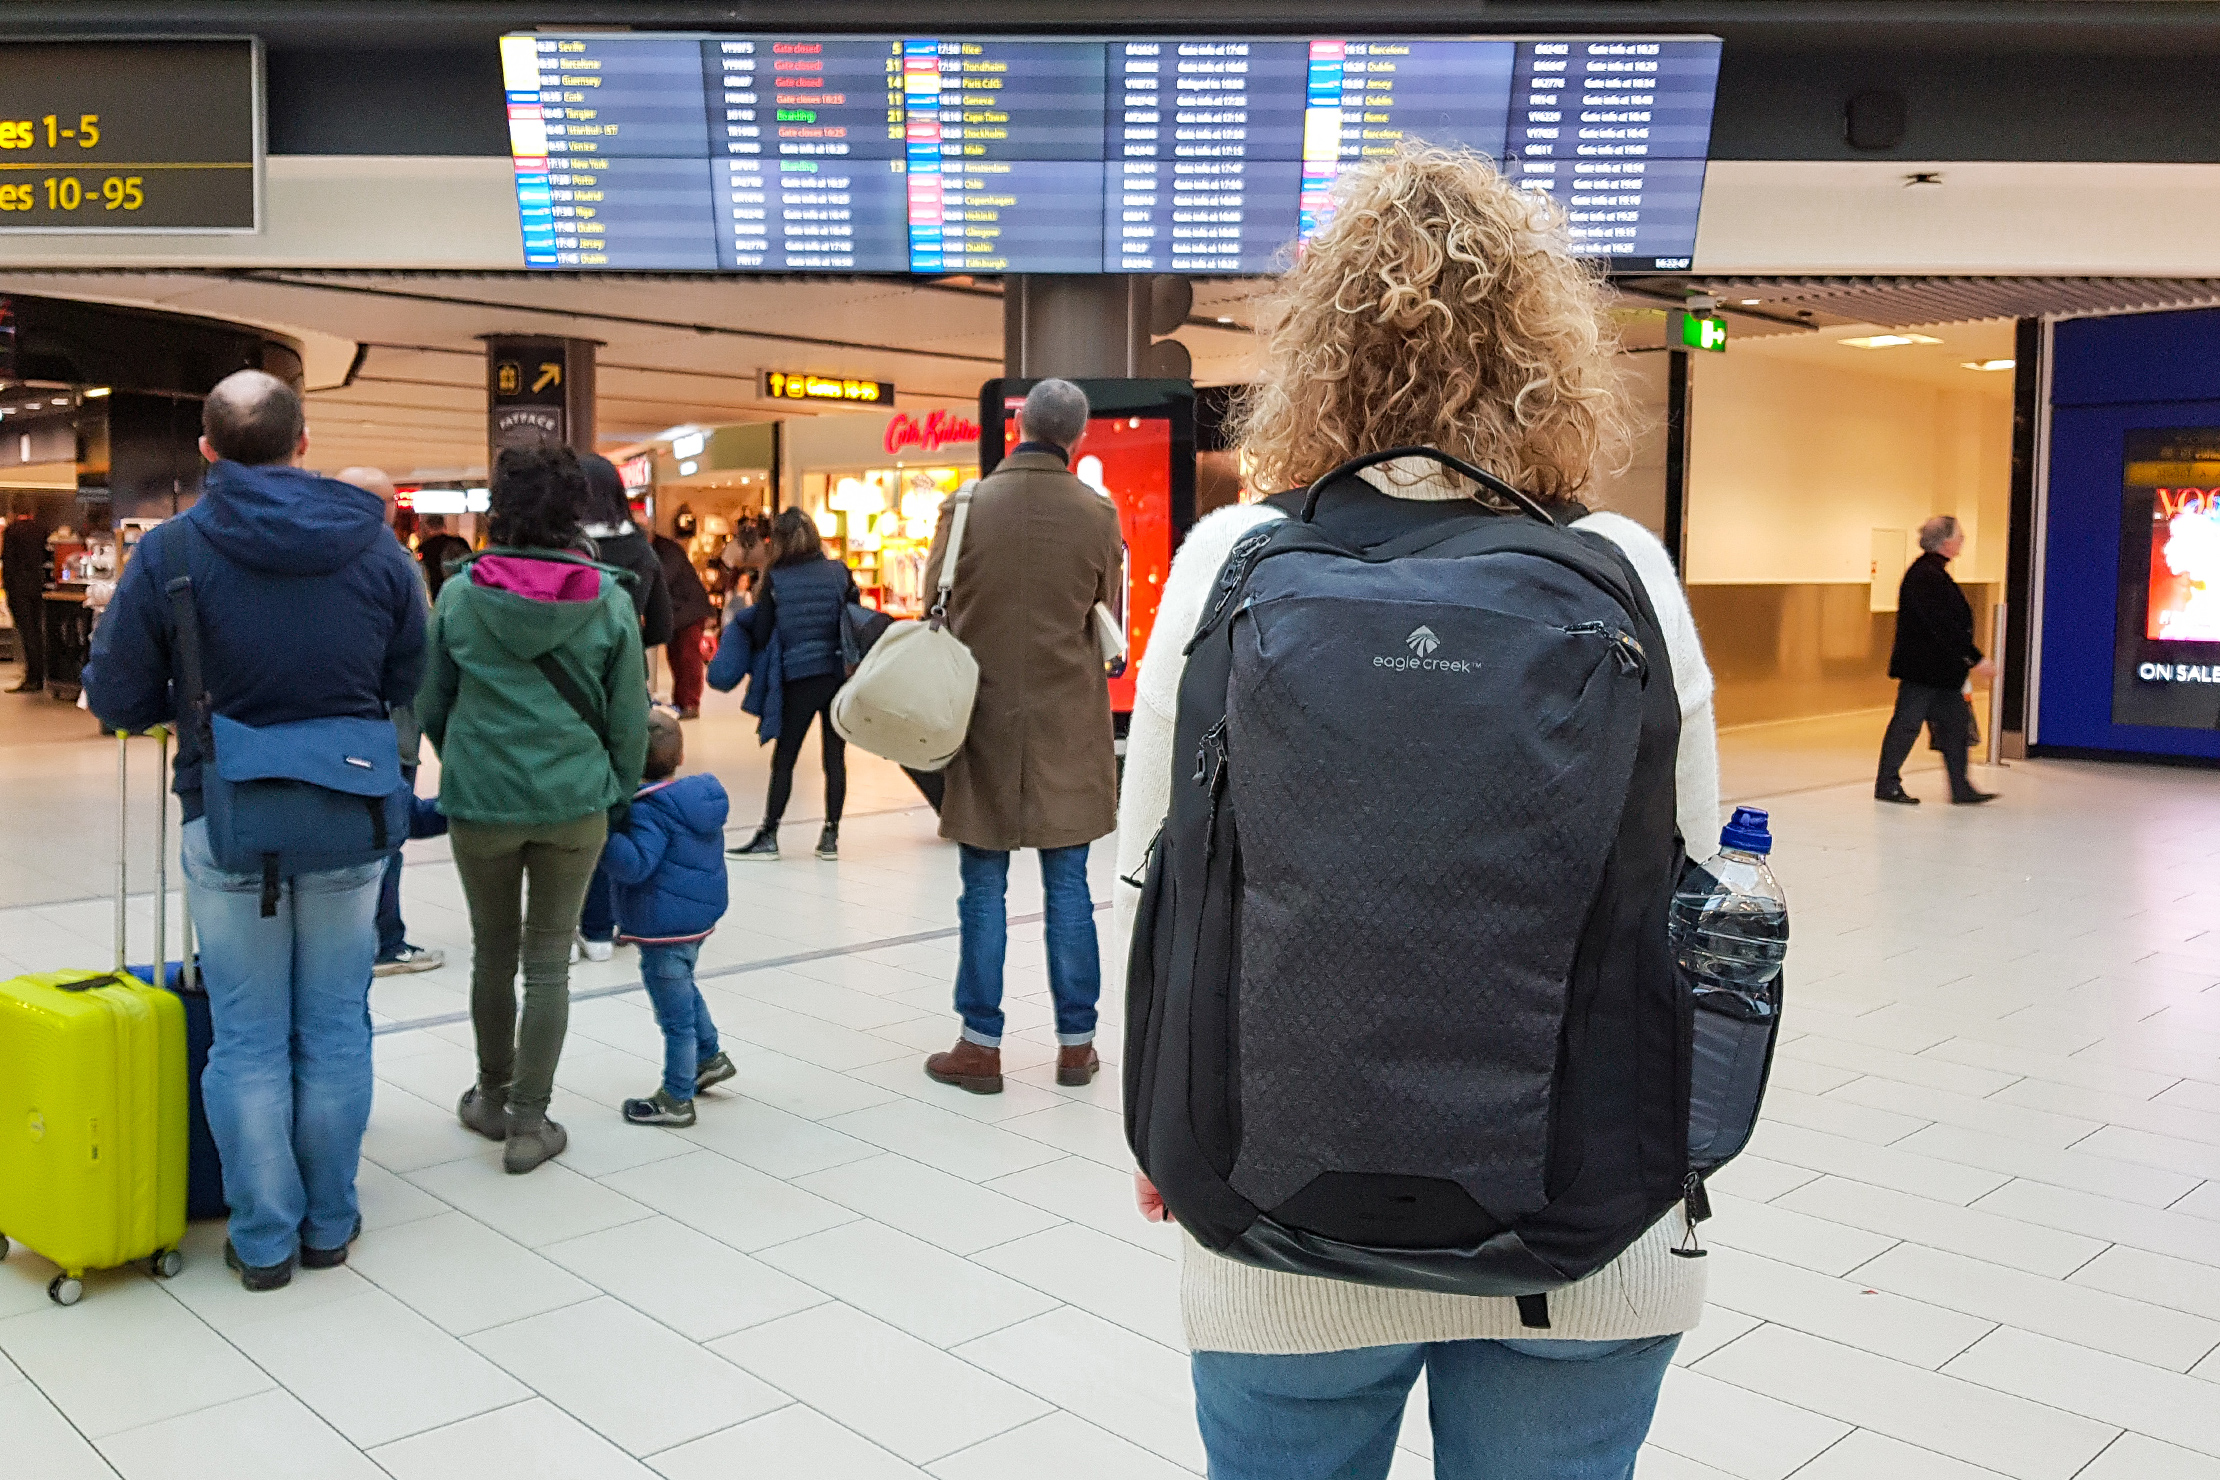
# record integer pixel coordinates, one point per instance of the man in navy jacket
(308, 609)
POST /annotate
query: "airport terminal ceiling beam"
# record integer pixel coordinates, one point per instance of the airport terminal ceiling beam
(311, 281)
(2060, 80)
(2103, 25)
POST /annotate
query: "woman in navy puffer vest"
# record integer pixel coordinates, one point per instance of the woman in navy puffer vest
(804, 601)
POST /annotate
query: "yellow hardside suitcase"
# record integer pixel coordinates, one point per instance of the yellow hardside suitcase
(93, 1118)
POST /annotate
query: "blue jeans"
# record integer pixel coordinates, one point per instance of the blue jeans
(288, 1079)
(1501, 1410)
(597, 918)
(1074, 957)
(425, 821)
(392, 934)
(688, 1034)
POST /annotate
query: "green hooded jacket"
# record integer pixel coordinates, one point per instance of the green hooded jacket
(511, 749)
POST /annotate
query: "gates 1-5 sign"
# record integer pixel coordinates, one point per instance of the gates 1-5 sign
(791, 385)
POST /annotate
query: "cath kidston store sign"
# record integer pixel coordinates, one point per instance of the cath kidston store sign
(931, 433)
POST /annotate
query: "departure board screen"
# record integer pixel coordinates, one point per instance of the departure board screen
(129, 136)
(993, 154)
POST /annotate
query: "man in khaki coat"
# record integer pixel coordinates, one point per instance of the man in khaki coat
(1037, 770)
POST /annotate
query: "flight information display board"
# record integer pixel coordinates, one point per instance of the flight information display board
(990, 154)
(130, 136)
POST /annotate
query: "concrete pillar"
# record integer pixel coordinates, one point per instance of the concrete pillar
(539, 389)
(1092, 326)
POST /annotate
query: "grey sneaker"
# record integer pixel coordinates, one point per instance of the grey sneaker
(715, 1069)
(659, 1109)
(485, 1111)
(407, 959)
(828, 842)
(533, 1138)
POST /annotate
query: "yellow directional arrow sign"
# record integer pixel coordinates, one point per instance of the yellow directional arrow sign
(551, 373)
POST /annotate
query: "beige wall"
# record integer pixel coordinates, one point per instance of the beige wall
(1795, 463)
(1638, 489)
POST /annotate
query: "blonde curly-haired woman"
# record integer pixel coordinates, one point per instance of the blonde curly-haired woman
(1440, 308)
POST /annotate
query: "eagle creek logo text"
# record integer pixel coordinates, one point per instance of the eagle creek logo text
(1422, 643)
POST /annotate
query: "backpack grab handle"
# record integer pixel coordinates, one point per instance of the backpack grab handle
(1480, 476)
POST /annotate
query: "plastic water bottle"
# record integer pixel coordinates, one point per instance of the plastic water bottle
(1730, 923)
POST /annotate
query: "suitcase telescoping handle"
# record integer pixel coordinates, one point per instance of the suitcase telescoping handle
(160, 969)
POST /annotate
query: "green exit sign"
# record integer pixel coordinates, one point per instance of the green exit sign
(1685, 330)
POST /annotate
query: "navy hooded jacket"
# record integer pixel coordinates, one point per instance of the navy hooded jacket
(309, 609)
(668, 865)
(805, 601)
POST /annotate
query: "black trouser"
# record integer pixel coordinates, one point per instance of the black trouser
(807, 699)
(1944, 713)
(29, 615)
(932, 785)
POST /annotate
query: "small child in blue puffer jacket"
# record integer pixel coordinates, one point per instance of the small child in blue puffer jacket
(668, 866)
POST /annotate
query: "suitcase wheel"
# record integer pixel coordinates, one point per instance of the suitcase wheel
(166, 1264)
(65, 1290)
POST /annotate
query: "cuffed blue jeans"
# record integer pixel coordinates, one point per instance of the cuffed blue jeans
(597, 918)
(688, 1034)
(1501, 1410)
(1074, 957)
(288, 1079)
(392, 934)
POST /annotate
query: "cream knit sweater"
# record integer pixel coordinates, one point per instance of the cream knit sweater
(1234, 1307)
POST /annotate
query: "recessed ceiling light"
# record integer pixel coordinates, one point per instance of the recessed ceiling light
(1988, 364)
(1224, 319)
(1751, 302)
(96, 392)
(1887, 341)
(59, 401)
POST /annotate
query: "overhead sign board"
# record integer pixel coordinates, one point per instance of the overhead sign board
(130, 136)
(1209, 155)
(796, 385)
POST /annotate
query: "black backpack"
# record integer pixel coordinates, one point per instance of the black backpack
(1401, 1005)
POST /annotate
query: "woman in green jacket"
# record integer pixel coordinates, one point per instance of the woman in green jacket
(536, 699)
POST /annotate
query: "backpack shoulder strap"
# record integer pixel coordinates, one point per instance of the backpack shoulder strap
(560, 679)
(194, 703)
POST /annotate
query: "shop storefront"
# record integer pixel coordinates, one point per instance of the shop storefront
(874, 484)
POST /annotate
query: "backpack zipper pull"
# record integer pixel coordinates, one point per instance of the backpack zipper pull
(1210, 774)
(1210, 758)
(1631, 657)
(1695, 1207)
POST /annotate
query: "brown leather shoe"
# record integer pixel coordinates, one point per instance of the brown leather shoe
(968, 1066)
(1076, 1065)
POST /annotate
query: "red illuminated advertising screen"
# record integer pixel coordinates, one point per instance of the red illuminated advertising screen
(2166, 647)
(1139, 452)
(2185, 566)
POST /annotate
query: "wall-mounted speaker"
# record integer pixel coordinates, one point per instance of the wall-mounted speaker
(1874, 120)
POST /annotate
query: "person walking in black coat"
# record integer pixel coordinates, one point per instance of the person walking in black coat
(607, 521)
(1934, 653)
(690, 613)
(23, 572)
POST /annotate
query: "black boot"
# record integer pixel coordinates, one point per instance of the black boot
(828, 842)
(765, 844)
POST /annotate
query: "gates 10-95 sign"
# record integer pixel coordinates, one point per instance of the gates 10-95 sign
(794, 385)
(145, 136)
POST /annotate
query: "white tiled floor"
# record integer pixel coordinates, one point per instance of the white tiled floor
(1979, 1234)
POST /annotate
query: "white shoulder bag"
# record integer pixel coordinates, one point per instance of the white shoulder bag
(910, 699)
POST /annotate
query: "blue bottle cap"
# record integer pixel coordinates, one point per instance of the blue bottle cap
(1747, 831)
